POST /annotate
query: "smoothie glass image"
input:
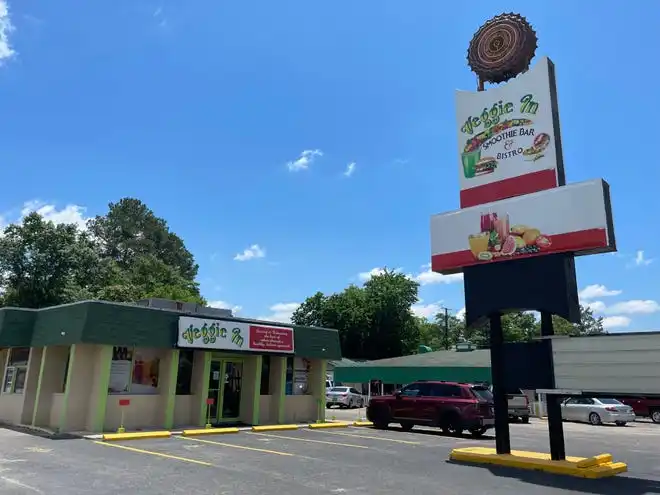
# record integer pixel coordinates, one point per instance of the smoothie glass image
(478, 243)
(470, 160)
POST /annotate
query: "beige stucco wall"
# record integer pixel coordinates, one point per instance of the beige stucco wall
(266, 413)
(52, 383)
(299, 409)
(183, 407)
(143, 412)
(55, 411)
(11, 405)
(11, 408)
(89, 364)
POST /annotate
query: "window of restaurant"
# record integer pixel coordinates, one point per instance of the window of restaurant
(297, 376)
(265, 375)
(134, 371)
(16, 370)
(184, 377)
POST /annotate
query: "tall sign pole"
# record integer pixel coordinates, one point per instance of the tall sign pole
(519, 225)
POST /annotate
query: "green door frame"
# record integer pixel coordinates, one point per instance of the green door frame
(220, 396)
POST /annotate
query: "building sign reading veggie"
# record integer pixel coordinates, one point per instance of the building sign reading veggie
(508, 138)
(234, 335)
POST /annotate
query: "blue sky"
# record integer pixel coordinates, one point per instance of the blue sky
(238, 121)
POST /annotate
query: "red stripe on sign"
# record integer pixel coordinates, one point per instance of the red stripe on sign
(509, 188)
(582, 240)
(124, 402)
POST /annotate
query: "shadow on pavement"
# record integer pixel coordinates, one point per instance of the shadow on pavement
(38, 432)
(438, 433)
(617, 485)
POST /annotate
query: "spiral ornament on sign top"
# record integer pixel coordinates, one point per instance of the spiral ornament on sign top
(502, 48)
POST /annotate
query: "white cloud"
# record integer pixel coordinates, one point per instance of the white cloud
(69, 214)
(595, 306)
(253, 252)
(427, 311)
(635, 306)
(364, 276)
(596, 291)
(427, 277)
(460, 314)
(281, 312)
(641, 260)
(225, 305)
(350, 168)
(611, 322)
(303, 162)
(6, 27)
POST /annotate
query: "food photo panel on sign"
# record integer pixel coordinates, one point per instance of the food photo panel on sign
(576, 218)
(508, 138)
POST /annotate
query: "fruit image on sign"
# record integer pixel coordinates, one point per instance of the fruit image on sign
(497, 239)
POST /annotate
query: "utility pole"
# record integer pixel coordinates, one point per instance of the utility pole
(446, 329)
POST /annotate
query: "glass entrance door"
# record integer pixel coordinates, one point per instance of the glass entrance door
(215, 381)
(231, 391)
(225, 384)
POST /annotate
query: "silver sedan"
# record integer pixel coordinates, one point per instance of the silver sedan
(343, 397)
(596, 411)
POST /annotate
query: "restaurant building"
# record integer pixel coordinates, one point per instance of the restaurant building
(83, 367)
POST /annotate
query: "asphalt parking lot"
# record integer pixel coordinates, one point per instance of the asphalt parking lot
(303, 462)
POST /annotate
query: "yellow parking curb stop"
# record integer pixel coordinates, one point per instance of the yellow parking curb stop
(599, 466)
(329, 425)
(138, 435)
(274, 427)
(363, 423)
(209, 431)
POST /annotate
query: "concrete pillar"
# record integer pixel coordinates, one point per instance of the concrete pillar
(52, 374)
(277, 382)
(251, 390)
(169, 372)
(31, 385)
(200, 386)
(99, 394)
(316, 384)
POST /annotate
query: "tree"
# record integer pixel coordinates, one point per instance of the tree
(430, 333)
(589, 324)
(44, 264)
(142, 258)
(127, 254)
(374, 321)
(520, 326)
(130, 230)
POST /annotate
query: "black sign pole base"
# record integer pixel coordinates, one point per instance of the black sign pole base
(502, 436)
(555, 424)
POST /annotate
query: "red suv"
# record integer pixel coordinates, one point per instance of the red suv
(644, 406)
(452, 406)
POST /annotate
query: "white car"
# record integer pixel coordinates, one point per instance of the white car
(343, 397)
(596, 411)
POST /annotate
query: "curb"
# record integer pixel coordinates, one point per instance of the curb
(316, 426)
(598, 466)
(274, 428)
(143, 435)
(208, 431)
(116, 437)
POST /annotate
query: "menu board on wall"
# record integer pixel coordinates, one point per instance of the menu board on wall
(120, 370)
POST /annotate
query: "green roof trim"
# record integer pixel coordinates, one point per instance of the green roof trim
(403, 375)
(101, 322)
(16, 327)
(473, 366)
